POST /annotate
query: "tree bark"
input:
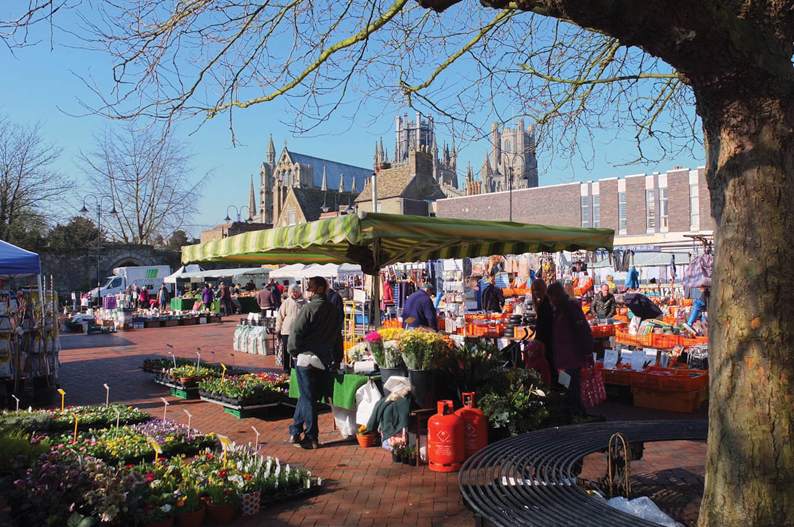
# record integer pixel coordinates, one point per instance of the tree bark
(750, 461)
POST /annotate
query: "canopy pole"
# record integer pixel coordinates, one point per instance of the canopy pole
(374, 300)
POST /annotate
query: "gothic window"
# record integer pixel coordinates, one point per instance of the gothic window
(507, 146)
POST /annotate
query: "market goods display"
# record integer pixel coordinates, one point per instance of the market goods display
(131, 444)
(246, 390)
(54, 421)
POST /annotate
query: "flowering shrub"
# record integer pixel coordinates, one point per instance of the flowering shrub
(129, 443)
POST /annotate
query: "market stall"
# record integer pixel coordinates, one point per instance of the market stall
(29, 343)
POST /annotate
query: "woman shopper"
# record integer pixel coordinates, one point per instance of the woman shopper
(573, 341)
(207, 296)
(544, 324)
(492, 298)
(286, 315)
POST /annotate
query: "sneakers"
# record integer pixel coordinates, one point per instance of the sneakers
(295, 440)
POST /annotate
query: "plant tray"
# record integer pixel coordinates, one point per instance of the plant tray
(275, 499)
(190, 393)
(245, 414)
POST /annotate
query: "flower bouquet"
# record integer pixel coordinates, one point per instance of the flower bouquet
(375, 342)
(422, 349)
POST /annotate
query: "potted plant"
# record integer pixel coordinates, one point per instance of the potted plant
(189, 509)
(409, 456)
(422, 351)
(222, 495)
(397, 454)
(365, 438)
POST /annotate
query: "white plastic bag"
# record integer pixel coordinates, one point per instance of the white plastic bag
(643, 508)
(366, 398)
(345, 420)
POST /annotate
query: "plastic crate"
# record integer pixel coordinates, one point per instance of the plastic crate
(623, 337)
(188, 394)
(682, 402)
(689, 342)
(600, 332)
(486, 330)
(619, 377)
(665, 341)
(684, 381)
(644, 379)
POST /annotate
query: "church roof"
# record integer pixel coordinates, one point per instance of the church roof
(391, 184)
(311, 200)
(334, 171)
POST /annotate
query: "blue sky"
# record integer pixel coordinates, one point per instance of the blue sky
(44, 85)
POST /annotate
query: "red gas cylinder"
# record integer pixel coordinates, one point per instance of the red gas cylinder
(445, 439)
(475, 425)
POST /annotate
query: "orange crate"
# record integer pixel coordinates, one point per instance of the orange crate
(643, 379)
(622, 318)
(687, 342)
(669, 320)
(623, 337)
(683, 402)
(620, 377)
(600, 332)
(486, 331)
(665, 341)
(685, 381)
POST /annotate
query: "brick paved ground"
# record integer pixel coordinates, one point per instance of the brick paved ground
(362, 486)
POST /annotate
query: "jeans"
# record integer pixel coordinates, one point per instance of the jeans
(306, 410)
(698, 306)
(574, 397)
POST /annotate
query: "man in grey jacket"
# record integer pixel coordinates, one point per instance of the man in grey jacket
(315, 343)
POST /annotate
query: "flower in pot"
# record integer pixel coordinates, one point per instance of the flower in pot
(222, 495)
(365, 437)
(409, 455)
(375, 342)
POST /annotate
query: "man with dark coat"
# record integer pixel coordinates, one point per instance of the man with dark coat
(315, 343)
(419, 310)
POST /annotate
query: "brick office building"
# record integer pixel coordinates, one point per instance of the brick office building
(657, 209)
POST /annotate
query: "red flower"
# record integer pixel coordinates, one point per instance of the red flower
(228, 493)
(149, 477)
(222, 473)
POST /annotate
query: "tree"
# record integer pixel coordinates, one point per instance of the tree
(29, 185)
(178, 240)
(77, 235)
(602, 63)
(147, 176)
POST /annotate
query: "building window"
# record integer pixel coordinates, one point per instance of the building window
(650, 208)
(596, 210)
(291, 217)
(507, 146)
(663, 212)
(585, 211)
(694, 208)
(622, 212)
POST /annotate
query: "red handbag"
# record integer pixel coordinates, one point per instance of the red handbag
(591, 387)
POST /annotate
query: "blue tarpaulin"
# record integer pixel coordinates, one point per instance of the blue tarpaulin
(16, 262)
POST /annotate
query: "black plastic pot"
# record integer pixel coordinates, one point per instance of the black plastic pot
(396, 458)
(387, 373)
(423, 387)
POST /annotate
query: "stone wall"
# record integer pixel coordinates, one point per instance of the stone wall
(78, 271)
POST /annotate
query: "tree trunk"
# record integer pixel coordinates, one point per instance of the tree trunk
(750, 460)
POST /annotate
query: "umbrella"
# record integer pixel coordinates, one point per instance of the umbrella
(642, 306)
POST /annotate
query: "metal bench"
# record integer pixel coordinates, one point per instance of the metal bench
(530, 479)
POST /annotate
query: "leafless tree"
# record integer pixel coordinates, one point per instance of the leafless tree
(146, 174)
(668, 69)
(29, 185)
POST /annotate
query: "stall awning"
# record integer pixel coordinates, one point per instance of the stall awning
(355, 237)
(17, 262)
(288, 271)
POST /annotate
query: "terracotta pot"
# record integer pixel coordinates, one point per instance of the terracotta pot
(366, 440)
(165, 523)
(221, 513)
(191, 519)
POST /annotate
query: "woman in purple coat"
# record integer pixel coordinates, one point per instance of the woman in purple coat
(207, 296)
(573, 341)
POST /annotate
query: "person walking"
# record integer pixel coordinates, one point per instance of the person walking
(135, 296)
(419, 310)
(286, 316)
(573, 341)
(544, 324)
(225, 297)
(315, 343)
(143, 298)
(162, 297)
(207, 296)
(604, 303)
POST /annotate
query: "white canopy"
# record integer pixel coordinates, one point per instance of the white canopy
(181, 272)
(288, 271)
(226, 273)
(329, 270)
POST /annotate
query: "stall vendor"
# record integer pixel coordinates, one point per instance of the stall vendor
(604, 303)
(419, 310)
(492, 298)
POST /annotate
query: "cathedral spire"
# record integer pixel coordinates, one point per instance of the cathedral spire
(271, 152)
(325, 181)
(252, 200)
(341, 182)
(353, 189)
(381, 155)
(375, 158)
(486, 167)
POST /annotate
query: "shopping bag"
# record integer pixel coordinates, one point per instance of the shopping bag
(591, 388)
(366, 398)
(345, 420)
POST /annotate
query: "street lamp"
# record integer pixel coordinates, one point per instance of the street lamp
(113, 212)
(510, 178)
(238, 211)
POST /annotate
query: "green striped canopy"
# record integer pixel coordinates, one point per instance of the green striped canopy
(355, 238)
